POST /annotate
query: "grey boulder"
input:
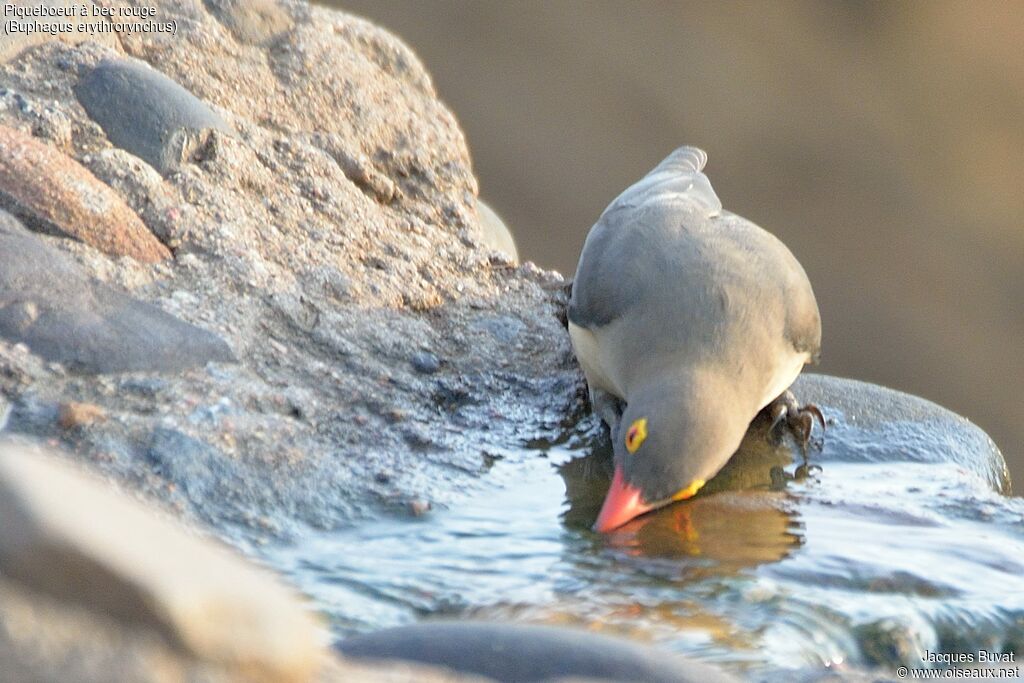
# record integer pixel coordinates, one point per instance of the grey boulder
(517, 653)
(48, 304)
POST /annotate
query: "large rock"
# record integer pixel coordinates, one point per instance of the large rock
(386, 361)
(48, 303)
(54, 193)
(876, 424)
(868, 424)
(69, 536)
(513, 653)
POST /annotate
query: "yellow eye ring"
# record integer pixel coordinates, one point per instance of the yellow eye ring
(636, 434)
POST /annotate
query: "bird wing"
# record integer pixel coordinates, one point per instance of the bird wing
(604, 285)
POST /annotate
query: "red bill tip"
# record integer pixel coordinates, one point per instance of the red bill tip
(622, 504)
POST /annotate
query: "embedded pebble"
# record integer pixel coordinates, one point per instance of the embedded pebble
(73, 414)
(147, 113)
(47, 303)
(426, 362)
(53, 193)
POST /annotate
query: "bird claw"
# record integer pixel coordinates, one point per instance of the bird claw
(799, 419)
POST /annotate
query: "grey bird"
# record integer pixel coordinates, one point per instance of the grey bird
(687, 321)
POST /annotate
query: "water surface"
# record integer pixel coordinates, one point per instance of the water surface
(860, 564)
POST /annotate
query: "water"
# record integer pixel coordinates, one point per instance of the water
(863, 564)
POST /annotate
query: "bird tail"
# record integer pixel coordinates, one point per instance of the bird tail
(678, 176)
(685, 160)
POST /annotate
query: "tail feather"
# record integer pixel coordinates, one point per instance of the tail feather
(678, 176)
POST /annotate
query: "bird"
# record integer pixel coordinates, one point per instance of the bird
(687, 320)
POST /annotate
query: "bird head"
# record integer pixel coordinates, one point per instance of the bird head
(667, 446)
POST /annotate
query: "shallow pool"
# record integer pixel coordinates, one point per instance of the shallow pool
(861, 564)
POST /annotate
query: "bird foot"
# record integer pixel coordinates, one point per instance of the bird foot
(799, 419)
(780, 478)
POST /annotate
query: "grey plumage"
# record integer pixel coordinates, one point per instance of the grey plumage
(677, 298)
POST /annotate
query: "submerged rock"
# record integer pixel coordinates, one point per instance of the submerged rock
(513, 653)
(48, 303)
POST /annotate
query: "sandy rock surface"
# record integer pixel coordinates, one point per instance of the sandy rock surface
(326, 233)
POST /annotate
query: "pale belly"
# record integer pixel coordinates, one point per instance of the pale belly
(604, 372)
(783, 378)
(600, 369)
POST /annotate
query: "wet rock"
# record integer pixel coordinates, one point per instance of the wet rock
(53, 193)
(521, 653)
(876, 424)
(47, 303)
(122, 561)
(196, 468)
(13, 43)
(866, 423)
(148, 114)
(426, 362)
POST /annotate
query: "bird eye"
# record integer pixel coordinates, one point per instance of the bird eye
(636, 434)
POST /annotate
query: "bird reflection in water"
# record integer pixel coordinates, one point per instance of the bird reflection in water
(743, 518)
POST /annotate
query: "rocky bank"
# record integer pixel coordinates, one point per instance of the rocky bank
(242, 272)
(254, 246)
